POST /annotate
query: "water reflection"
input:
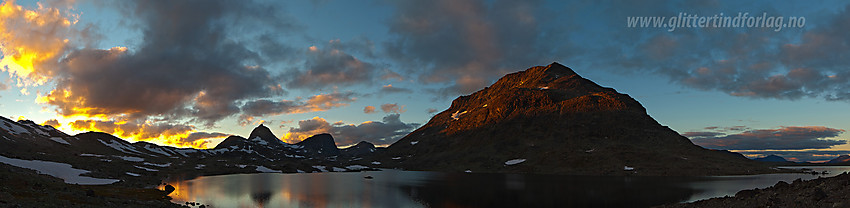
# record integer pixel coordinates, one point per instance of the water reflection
(392, 188)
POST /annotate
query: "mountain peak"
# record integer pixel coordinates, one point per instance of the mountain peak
(320, 144)
(265, 134)
(543, 111)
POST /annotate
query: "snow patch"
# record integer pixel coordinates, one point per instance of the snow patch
(514, 161)
(544, 88)
(396, 158)
(241, 166)
(59, 140)
(157, 165)
(321, 168)
(185, 151)
(356, 167)
(59, 170)
(259, 140)
(133, 174)
(12, 128)
(299, 171)
(336, 169)
(264, 169)
(627, 168)
(157, 150)
(90, 155)
(144, 168)
(376, 163)
(120, 147)
(200, 166)
(467, 171)
(457, 114)
(131, 159)
(414, 142)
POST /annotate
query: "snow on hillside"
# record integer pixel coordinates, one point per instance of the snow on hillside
(59, 170)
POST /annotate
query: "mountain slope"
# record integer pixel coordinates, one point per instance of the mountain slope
(548, 119)
(771, 158)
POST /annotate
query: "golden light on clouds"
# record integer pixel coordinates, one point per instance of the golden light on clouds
(31, 41)
(171, 135)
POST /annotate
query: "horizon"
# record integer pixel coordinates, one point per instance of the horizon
(189, 74)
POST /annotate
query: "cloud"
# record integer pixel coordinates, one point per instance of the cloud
(386, 89)
(761, 63)
(797, 155)
(785, 138)
(431, 110)
(52, 122)
(369, 109)
(392, 108)
(384, 132)
(321, 102)
(468, 44)
(178, 135)
(32, 41)
(332, 66)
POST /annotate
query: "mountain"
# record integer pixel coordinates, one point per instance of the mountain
(771, 158)
(360, 149)
(263, 135)
(320, 145)
(548, 119)
(840, 159)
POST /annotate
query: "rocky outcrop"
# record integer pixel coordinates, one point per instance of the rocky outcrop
(320, 145)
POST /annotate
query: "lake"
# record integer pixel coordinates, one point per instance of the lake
(395, 188)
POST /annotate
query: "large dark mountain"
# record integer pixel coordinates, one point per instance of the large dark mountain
(548, 119)
(320, 145)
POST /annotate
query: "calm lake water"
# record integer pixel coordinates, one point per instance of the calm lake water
(394, 188)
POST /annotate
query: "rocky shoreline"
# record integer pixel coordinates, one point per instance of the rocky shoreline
(820, 192)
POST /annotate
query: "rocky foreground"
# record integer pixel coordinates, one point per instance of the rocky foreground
(821, 192)
(26, 188)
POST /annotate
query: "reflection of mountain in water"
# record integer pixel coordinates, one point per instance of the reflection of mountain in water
(260, 199)
(484, 190)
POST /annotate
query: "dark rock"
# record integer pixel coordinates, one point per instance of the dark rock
(168, 189)
(90, 192)
(320, 144)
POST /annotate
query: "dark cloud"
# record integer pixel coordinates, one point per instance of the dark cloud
(431, 110)
(386, 89)
(187, 66)
(195, 136)
(786, 138)
(332, 66)
(369, 109)
(321, 102)
(384, 132)
(792, 63)
(392, 108)
(470, 43)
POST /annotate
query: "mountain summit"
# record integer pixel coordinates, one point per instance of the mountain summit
(263, 134)
(548, 119)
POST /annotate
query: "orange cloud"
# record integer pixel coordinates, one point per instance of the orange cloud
(32, 41)
(162, 134)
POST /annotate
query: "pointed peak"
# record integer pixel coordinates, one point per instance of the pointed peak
(558, 69)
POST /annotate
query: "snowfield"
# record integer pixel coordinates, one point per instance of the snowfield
(267, 170)
(514, 161)
(60, 140)
(59, 170)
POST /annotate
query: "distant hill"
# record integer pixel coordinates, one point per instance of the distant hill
(548, 119)
(771, 158)
(840, 159)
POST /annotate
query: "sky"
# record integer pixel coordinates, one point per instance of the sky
(190, 73)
